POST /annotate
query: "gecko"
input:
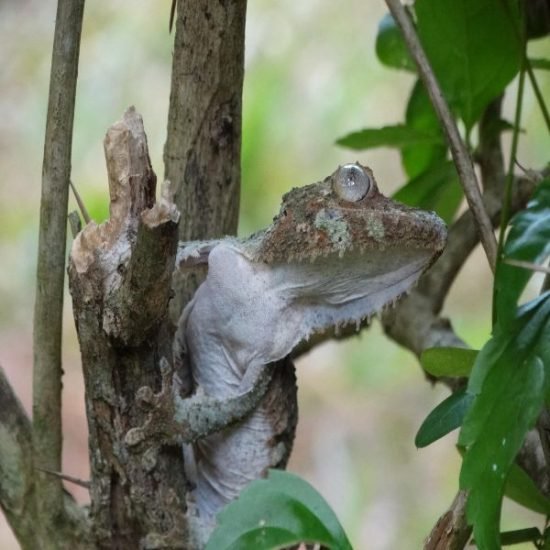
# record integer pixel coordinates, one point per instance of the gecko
(338, 253)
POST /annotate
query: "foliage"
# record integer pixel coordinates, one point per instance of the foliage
(277, 512)
(508, 386)
(448, 361)
(510, 383)
(529, 241)
(445, 418)
(473, 61)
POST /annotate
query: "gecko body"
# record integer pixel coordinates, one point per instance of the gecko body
(337, 253)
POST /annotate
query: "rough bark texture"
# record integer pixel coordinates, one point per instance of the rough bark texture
(120, 274)
(202, 152)
(56, 173)
(451, 531)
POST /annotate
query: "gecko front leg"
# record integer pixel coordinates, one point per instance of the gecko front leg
(174, 419)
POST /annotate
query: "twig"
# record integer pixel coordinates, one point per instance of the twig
(80, 203)
(56, 173)
(513, 150)
(538, 94)
(71, 479)
(460, 154)
(533, 175)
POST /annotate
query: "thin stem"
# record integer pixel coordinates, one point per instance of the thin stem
(70, 479)
(513, 151)
(80, 203)
(461, 157)
(47, 330)
(538, 94)
(505, 214)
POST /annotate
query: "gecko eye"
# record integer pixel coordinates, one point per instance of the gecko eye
(351, 183)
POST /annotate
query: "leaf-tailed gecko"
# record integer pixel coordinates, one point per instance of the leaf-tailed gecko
(337, 253)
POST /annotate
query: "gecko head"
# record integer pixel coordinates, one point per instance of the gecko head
(340, 251)
(344, 214)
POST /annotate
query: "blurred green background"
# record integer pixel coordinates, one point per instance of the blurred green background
(311, 76)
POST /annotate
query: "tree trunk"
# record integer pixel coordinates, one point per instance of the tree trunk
(120, 276)
(203, 146)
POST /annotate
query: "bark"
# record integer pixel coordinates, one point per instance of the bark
(34, 526)
(56, 170)
(451, 531)
(120, 275)
(202, 152)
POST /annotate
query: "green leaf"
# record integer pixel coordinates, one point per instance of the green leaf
(445, 418)
(277, 512)
(474, 47)
(420, 115)
(387, 136)
(448, 361)
(540, 63)
(510, 381)
(435, 189)
(518, 536)
(526, 325)
(522, 489)
(390, 47)
(528, 240)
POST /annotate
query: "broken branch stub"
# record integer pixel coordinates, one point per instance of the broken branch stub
(137, 245)
(120, 279)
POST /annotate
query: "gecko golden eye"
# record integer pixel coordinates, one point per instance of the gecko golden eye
(351, 183)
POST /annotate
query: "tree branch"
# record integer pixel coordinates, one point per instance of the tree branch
(56, 171)
(202, 152)
(17, 494)
(19, 498)
(460, 154)
(451, 531)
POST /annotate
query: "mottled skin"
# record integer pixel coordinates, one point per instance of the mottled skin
(314, 221)
(338, 252)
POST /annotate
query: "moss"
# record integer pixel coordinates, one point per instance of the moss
(375, 229)
(335, 226)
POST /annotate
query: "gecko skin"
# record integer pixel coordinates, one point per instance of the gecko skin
(337, 253)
